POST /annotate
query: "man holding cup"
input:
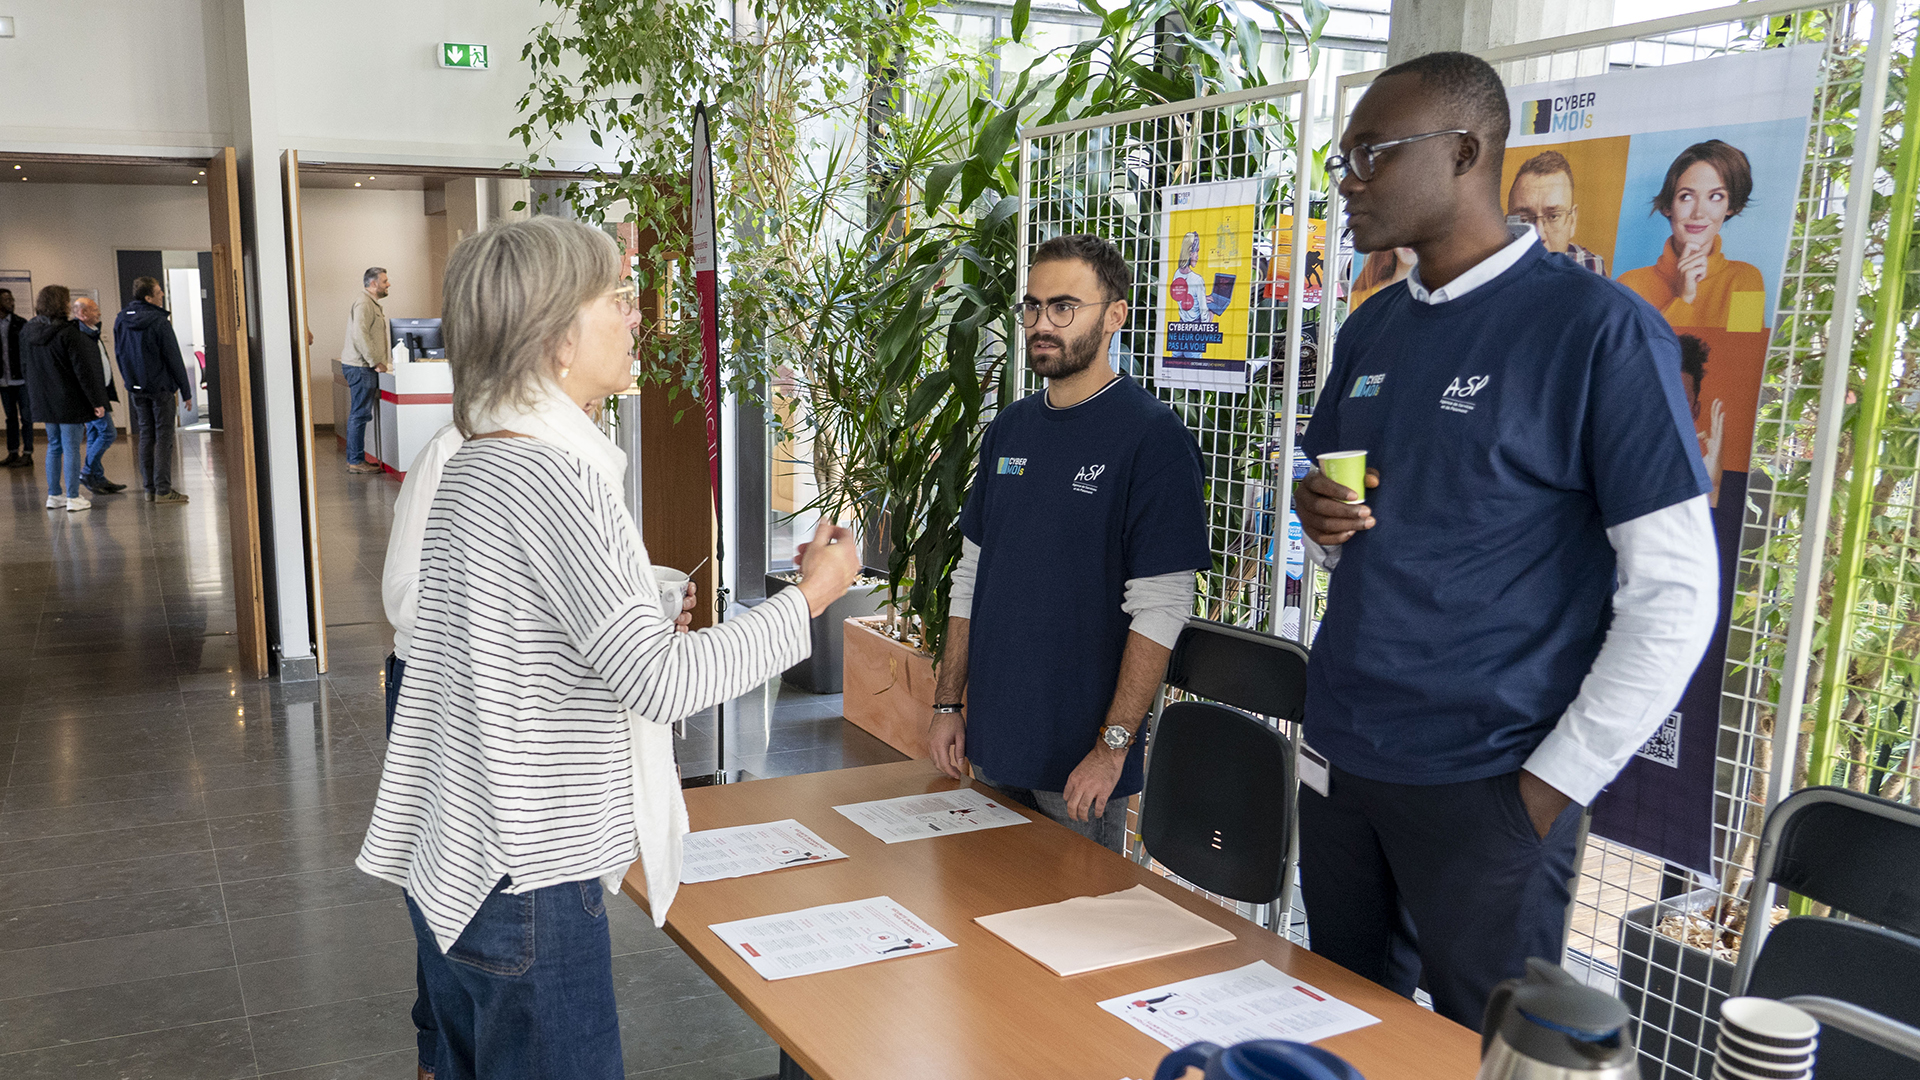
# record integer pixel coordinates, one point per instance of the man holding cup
(1524, 573)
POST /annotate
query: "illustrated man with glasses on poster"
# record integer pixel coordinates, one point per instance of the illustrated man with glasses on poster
(1083, 531)
(1530, 581)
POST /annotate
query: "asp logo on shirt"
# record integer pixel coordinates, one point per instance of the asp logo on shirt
(1455, 397)
(1083, 480)
(1012, 466)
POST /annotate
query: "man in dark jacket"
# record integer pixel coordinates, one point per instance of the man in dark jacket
(13, 387)
(63, 370)
(150, 364)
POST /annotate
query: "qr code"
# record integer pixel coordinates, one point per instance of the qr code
(1664, 747)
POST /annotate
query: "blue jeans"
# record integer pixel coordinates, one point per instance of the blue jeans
(1109, 830)
(66, 450)
(363, 389)
(526, 993)
(100, 435)
(425, 1034)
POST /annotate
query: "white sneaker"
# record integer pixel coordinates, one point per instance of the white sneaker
(56, 502)
(79, 502)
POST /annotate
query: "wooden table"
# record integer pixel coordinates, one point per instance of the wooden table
(984, 1010)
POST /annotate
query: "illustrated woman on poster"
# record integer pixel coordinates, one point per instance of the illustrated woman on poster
(1693, 283)
(1188, 293)
(1382, 269)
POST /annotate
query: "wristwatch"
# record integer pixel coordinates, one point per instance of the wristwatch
(1115, 737)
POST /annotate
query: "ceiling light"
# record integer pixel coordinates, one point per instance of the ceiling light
(356, 183)
(373, 178)
(203, 172)
(196, 181)
(19, 166)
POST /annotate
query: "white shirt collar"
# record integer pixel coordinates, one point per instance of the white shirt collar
(1486, 270)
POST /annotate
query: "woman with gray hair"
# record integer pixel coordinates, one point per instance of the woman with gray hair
(532, 755)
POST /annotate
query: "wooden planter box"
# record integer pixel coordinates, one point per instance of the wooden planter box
(888, 687)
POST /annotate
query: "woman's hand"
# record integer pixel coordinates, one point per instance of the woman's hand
(685, 621)
(828, 564)
(1693, 269)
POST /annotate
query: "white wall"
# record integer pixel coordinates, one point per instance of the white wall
(66, 234)
(345, 231)
(354, 80)
(114, 76)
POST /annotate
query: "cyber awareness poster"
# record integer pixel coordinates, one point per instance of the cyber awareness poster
(1208, 234)
(1678, 182)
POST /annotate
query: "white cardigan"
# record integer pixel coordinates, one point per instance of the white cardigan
(521, 745)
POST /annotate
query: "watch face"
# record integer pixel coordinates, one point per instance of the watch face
(1116, 737)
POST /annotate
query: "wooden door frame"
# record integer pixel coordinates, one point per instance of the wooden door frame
(236, 407)
(303, 404)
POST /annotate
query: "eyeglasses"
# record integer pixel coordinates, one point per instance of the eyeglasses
(625, 300)
(1360, 161)
(1551, 217)
(1059, 313)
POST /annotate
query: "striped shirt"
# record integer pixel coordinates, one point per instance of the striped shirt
(539, 631)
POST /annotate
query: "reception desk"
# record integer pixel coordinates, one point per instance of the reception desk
(416, 400)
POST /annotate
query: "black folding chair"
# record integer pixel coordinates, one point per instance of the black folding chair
(1218, 808)
(1861, 855)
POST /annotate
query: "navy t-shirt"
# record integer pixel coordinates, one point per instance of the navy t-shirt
(1068, 505)
(1512, 427)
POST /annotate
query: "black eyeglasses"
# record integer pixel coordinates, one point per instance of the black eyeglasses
(1060, 313)
(1360, 160)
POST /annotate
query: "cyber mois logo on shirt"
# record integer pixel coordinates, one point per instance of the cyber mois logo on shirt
(1368, 385)
(1012, 466)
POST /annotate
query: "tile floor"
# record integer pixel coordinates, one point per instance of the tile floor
(177, 895)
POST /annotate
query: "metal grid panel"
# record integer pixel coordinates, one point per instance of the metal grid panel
(1107, 179)
(1630, 911)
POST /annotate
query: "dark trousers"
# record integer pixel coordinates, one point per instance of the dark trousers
(152, 416)
(19, 407)
(526, 993)
(1444, 886)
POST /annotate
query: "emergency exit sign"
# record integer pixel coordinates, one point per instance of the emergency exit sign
(455, 54)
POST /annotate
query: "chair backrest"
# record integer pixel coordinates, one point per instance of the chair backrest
(1856, 852)
(1218, 808)
(1246, 669)
(1864, 965)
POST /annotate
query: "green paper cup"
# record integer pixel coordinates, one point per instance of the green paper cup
(1348, 468)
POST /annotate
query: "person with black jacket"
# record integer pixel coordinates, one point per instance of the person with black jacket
(13, 387)
(100, 433)
(63, 372)
(150, 364)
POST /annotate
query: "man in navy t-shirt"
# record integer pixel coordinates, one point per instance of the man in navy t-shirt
(1083, 531)
(1530, 582)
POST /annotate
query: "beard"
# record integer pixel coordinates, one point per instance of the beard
(1076, 353)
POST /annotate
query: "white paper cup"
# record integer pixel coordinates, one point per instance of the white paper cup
(673, 589)
(1768, 1023)
(1767, 1057)
(1724, 1069)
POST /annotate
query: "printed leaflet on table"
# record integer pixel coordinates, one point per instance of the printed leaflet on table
(916, 817)
(752, 849)
(829, 937)
(1254, 1002)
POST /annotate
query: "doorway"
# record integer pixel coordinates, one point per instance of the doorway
(70, 219)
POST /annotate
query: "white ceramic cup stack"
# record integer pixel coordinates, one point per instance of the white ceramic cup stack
(1762, 1039)
(673, 590)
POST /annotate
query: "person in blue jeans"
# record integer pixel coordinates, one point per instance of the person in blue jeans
(63, 372)
(362, 358)
(100, 433)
